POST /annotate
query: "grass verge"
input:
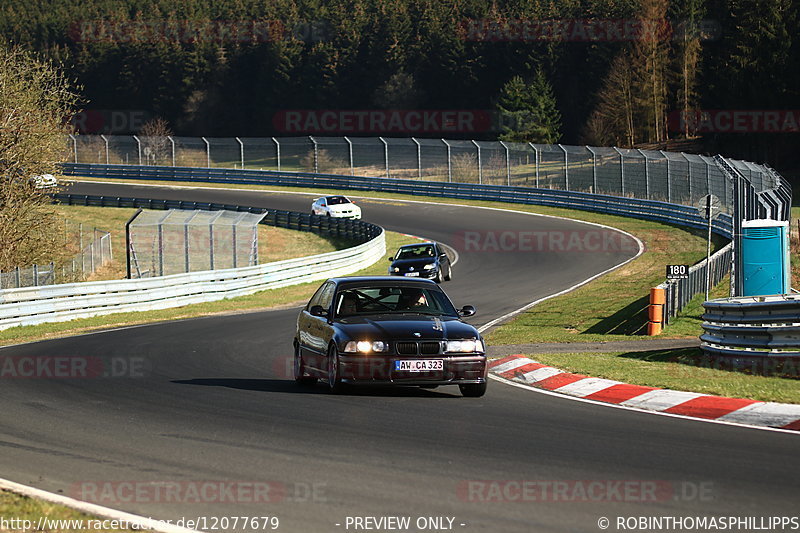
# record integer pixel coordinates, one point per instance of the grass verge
(684, 369)
(271, 298)
(16, 507)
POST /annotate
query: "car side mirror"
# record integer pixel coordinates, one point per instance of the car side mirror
(391, 259)
(466, 311)
(318, 310)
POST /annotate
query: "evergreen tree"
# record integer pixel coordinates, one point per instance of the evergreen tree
(528, 111)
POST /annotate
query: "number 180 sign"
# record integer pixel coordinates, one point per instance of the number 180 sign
(677, 271)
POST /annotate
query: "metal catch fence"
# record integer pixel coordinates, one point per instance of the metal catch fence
(647, 174)
(88, 260)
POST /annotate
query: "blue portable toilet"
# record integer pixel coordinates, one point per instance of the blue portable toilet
(765, 257)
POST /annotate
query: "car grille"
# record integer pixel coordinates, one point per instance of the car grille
(429, 348)
(414, 348)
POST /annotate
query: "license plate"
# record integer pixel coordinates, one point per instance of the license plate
(419, 365)
(410, 274)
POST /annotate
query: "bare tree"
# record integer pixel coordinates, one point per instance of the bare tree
(155, 135)
(35, 103)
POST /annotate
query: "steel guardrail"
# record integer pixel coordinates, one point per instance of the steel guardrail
(58, 303)
(623, 206)
(755, 326)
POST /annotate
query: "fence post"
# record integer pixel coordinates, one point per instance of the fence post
(594, 169)
(419, 157)
(669, 181)
(656, 311)
(80, 243)
(536, 160)
(208, 152)
(689, 168)
(17, 276)
(172, 142)
(241, 150)
(105, 140)
(277, 152)
(508, 163)
(449, 163)
(35, 275)
(566, 168)
(480, 163)
(350, 154)
(385, 154)
(316, 154)
(139, 148)
(621, 171)
(646, 174)
(74, 147)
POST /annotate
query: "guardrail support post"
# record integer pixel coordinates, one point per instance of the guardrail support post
(656, 311)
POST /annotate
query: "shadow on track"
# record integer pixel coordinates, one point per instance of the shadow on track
(289, 386)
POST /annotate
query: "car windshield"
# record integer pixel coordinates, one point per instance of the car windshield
(416, 252)
(368, 300)
(336, 200)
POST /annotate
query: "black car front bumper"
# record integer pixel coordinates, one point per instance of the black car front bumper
(380, 369)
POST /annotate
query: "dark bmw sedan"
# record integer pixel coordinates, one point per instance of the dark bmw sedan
(425, 260)
(387, 330)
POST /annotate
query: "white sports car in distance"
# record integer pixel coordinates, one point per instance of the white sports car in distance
(335, 206)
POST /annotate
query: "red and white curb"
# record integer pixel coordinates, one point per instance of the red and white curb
(520, 369)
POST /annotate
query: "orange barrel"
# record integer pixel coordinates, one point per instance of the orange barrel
(658, 296)
(655, 311)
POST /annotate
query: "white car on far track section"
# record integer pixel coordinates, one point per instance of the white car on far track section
(335, 206)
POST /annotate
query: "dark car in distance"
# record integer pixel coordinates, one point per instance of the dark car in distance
(426, 260)
(387, 331)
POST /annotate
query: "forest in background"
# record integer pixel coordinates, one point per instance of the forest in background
(414, 54)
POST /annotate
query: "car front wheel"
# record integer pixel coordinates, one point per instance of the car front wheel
(335, 384)
(473, 390)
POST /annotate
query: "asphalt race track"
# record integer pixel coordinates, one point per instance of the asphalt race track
(211, 400)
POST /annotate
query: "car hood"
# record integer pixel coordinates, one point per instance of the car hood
(418, 264)
(404, 326)
(338, 208)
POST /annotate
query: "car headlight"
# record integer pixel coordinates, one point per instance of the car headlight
(430, 266)
(464, 346)
(397, 269)
(366, 346)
